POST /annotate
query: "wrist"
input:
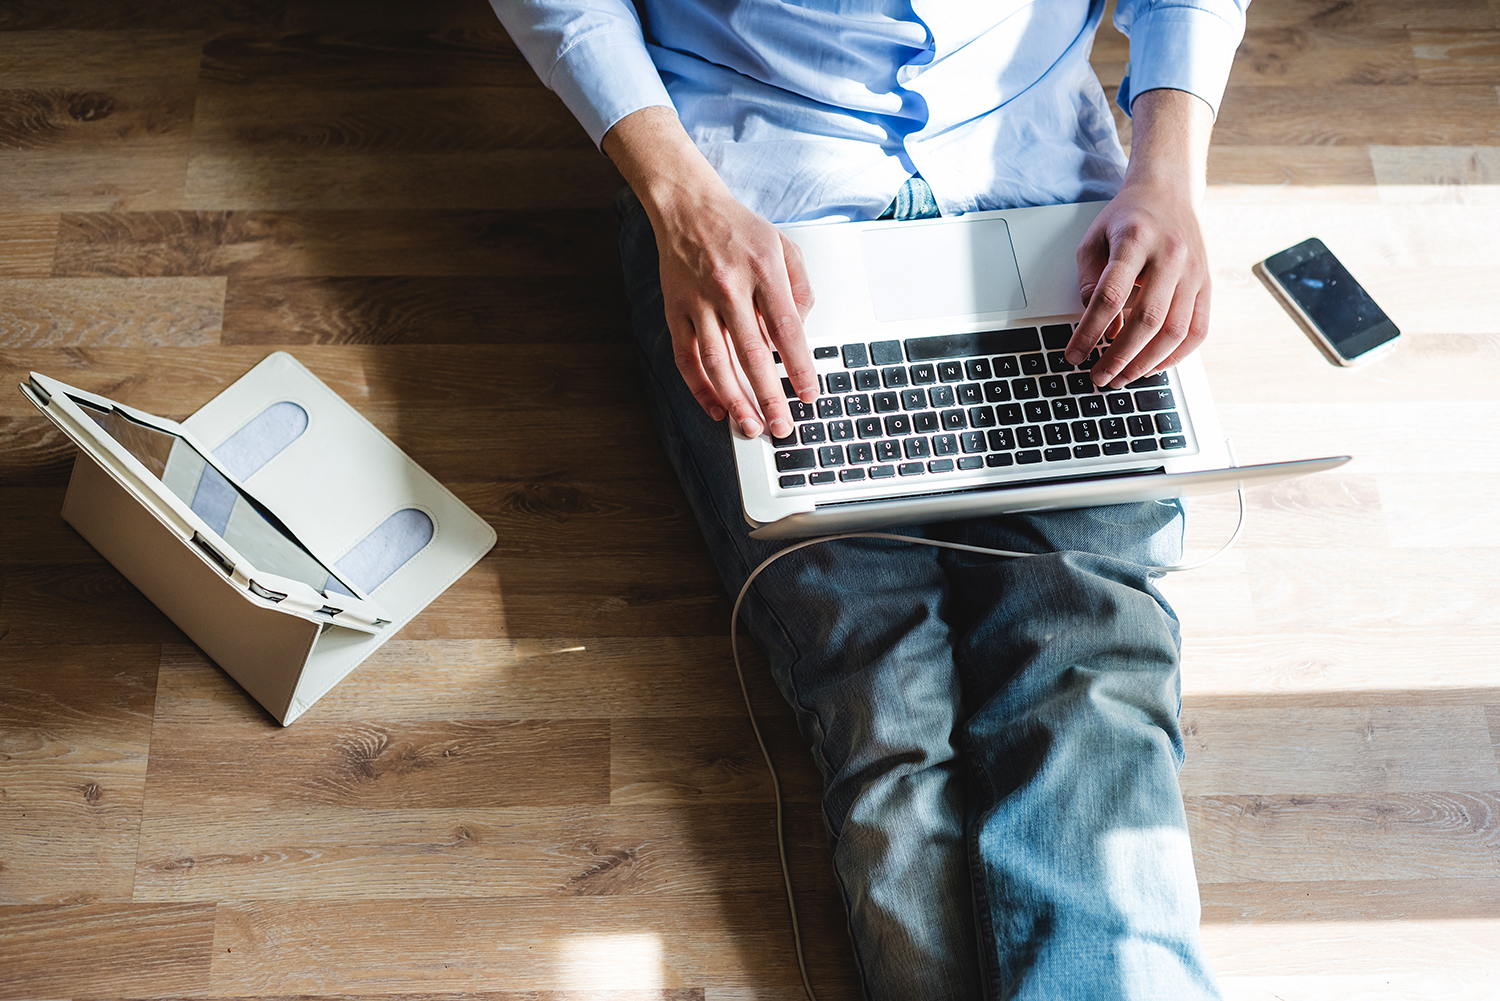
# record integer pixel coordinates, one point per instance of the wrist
(1169, 142)
(659, 161)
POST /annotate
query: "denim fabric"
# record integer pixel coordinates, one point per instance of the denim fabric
(914, 200)
(998, 739)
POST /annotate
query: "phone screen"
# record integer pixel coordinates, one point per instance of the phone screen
(237, 518)
(1331, 297)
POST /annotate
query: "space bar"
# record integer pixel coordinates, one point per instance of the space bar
(985, 342)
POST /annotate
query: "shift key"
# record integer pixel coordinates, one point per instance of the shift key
(788, 459)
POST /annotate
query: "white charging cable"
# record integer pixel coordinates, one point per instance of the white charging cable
(786, 874)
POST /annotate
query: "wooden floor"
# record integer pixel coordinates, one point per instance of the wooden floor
(545, 787)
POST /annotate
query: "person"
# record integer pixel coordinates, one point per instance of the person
(998, 739)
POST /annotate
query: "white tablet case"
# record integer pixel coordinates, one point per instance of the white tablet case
(333, 484)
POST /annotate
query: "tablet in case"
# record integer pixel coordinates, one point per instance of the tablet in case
(279, 529)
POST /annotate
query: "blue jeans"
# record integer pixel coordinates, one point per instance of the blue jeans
(998, 739)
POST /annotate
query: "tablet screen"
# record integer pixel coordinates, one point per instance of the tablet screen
(239, 519)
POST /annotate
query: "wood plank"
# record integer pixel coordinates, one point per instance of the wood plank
(75, 728)
(1457, 57)
(1370, 836)
(1454, 958)
(33, 452)
(1350, 900)
(27, 243)
(1258, 115)
(115, 120)
(36, 532)
(498, 179)
(446, 310)
(320, 242)
(1270, 164)
(104, 950)
(1309, 56)
(1372, 749)
(51, 180)
(1362, 15)
(117, 57)
(320, 15)
(115, 312)
(409, 119)
(701, 759)
(372, 765)
(89, 603)
(1436, 165)
(169, 15)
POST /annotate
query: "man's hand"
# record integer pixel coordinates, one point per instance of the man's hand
(1142, 268)
(732, 286)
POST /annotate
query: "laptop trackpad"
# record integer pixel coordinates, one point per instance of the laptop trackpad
(944, 269)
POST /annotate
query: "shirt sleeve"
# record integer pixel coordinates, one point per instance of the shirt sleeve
(591, 53)
(1181, 45)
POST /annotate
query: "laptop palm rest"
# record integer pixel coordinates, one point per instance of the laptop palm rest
(920, 271)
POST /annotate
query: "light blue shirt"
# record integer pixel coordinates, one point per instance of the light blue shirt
(822, 109)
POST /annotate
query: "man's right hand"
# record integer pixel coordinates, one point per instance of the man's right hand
(733, 287)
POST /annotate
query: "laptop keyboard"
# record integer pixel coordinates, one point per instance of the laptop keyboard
(936, 406)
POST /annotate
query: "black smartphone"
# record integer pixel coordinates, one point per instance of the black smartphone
(1331, 307)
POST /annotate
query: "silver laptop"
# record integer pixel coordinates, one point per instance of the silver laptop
(944, 392)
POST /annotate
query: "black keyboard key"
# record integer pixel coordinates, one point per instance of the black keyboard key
(1058, 362)
(911, 469)
(998, 459)
(971, 441)
(1002, 440)
(1154, 399)
(857, 404)
(944, 444)
(1029, 436)
(917, 448)
(840, 382)
(1085, 431)
(971, 462)
(1092, 406)
(788, 459)
(829, 406)
(886, 402)
(954, 420)
(1057, 335)
(826, 351)
(925, 422)
(1038, 412)
(1116, 447)
(787, 390)
(942, 396)
(776, 357)
(1079, 384)
(1033, 455)
(1053, 385)
(831, 455)
(1140, 425)
(1143, 445)
(802, 411)
(950, 371)
(923, 375)
(1023, 389)
(867, 379)
(1057, 454)
(840, 430)
(851, 474)
(913, 399)
(812, 434)
(940, 466)
(868, 427)
(985, 342)
(794, 480)
(861, 453)
(886, 353)
(1148, 382)
(1065, 409)
(996, 392)
(977, 369)
(1168, 422)
(1112, 427)
(969, 394)
(790, 439)
(882, 472)
(887, 450)
(1085, 451)
(1174, 441)
(983, 417)
(897, 424)
(855, 356)
(819, 478)
(1057, 434)
(1033, 364)
(895, 376)
(1005, 368)
(1119, 403)
(1009, 413)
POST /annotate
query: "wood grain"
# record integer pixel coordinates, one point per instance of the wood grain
(119, 950)
(126, 313)
(27, 243)
(1260, 115)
